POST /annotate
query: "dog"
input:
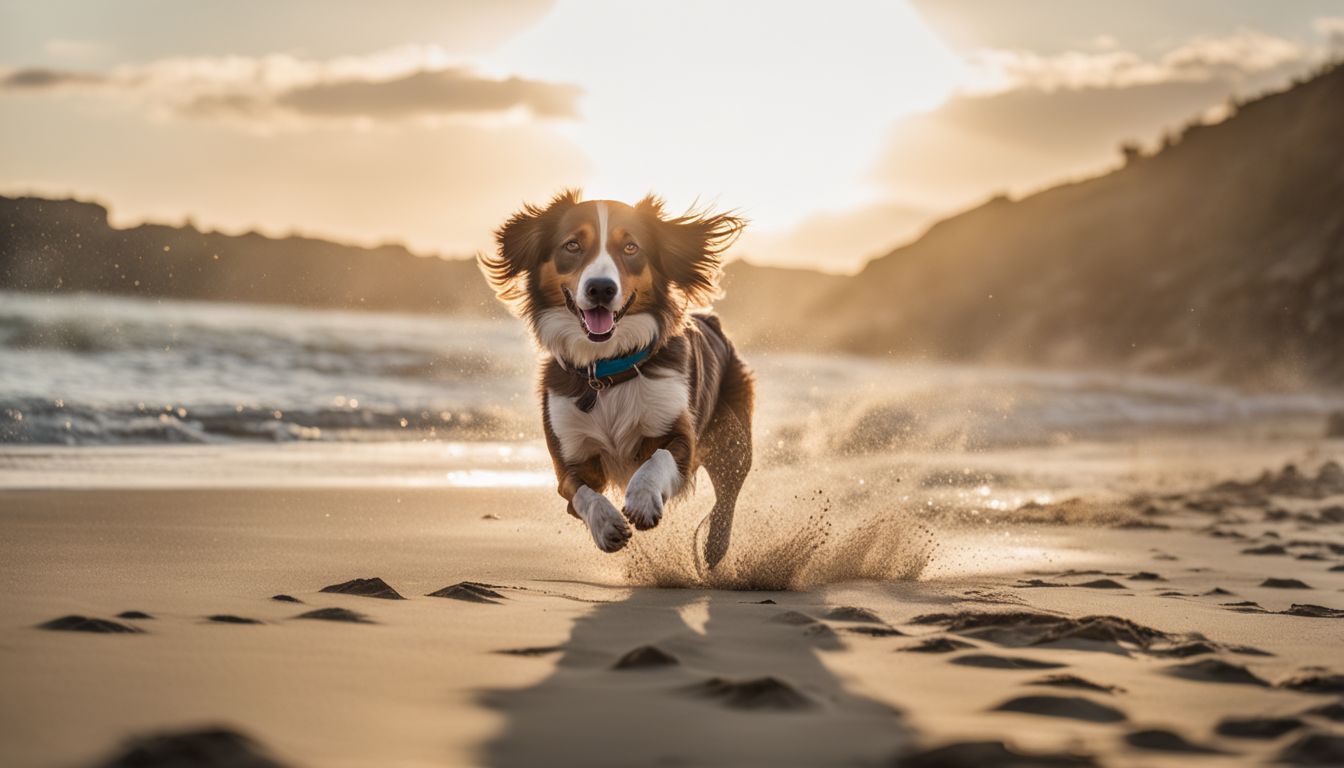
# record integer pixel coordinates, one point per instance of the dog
(639, 385)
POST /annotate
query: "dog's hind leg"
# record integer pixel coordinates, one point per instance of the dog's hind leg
(727, 459)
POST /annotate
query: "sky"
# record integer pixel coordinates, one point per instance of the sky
(840, 129)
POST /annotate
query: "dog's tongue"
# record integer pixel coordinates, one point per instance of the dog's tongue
(598, 320)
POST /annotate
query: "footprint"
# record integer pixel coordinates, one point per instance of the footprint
(1101, 584)
(469, 591)
(992, 754)
(1333, 711)
(374, 587)
(1070, 707)
(336, 614)
(1313, 611)
(1257, 727)
(876, 631)
(201, 747)
(1268, 549)
(1216, 671)
(755, 693)
(1145, 576)
(854, 614)
(1273, 583)
(792, 618)
(226, 618)
(938, 645)
(1314, 749)
(990, 661)
(1159, 740)
(1314, 682)
(646, 657)
(89, 624)
(540, 650)
(1073, 681)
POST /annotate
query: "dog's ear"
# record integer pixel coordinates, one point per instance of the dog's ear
(522, 246)
(689, 247)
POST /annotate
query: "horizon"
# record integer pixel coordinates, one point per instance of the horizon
(353, 134)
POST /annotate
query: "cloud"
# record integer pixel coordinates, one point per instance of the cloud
(1242, 56)
(284, 91)
(40, 79)
(444, 91)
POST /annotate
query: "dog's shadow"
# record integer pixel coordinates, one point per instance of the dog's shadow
(732, 682)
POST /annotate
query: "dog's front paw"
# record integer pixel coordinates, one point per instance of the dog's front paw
(643, 504)
(609, 529)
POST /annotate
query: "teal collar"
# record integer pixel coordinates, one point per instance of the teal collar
(617, 365)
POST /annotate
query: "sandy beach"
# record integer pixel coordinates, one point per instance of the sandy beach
(1186, 611)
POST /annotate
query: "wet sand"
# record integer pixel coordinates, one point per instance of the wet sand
(1195, 623)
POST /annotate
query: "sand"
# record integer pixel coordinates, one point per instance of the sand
(1174, 618)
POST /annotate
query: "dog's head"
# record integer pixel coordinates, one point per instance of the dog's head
(599, 278)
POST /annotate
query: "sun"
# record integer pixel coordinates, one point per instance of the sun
(777, 108)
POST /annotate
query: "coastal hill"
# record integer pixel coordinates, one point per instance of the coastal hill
(1222, 254)
(69, 246)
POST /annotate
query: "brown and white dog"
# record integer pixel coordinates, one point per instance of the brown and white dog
(637, 391)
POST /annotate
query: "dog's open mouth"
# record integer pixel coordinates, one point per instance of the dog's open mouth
(599, 323)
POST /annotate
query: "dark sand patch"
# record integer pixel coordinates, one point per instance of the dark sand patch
(1160, 740)
(1314, 749)
(938, 645)
(876, 631)
(134, 615)
(646, 657)
(1216, 671)
(336, 614)
(470, 592)
(1333, 711)
(766, 601)
(538, 650)
(1016, 629)
(992, 754)
(854, 614)
(1101, 584)
(1273, 583)
(990, 661)
(201, 748)
(372, 587)
(757, 693)
(1313, 611)
(1070, 707)
(1146, 576)
(792, 618)
(1074, 681)
(1257, 727)
(228, 618)
(1314, 682)
(1268, 549)
(89, 624)
(286, 599)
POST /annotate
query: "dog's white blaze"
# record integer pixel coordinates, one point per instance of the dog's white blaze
(623, 416)
(559, 333)
(602, 266)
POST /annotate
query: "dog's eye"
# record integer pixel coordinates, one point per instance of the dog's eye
(572, 246)
(631, 249)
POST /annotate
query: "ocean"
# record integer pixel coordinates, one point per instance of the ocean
(98, 388)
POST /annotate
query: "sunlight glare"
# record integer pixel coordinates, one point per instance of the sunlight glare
(677, 98)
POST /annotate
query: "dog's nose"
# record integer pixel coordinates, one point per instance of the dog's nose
(600, 290)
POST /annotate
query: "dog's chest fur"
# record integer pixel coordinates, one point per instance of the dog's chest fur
(646, 406)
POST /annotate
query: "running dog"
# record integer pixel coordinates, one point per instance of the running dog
(638, 391)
